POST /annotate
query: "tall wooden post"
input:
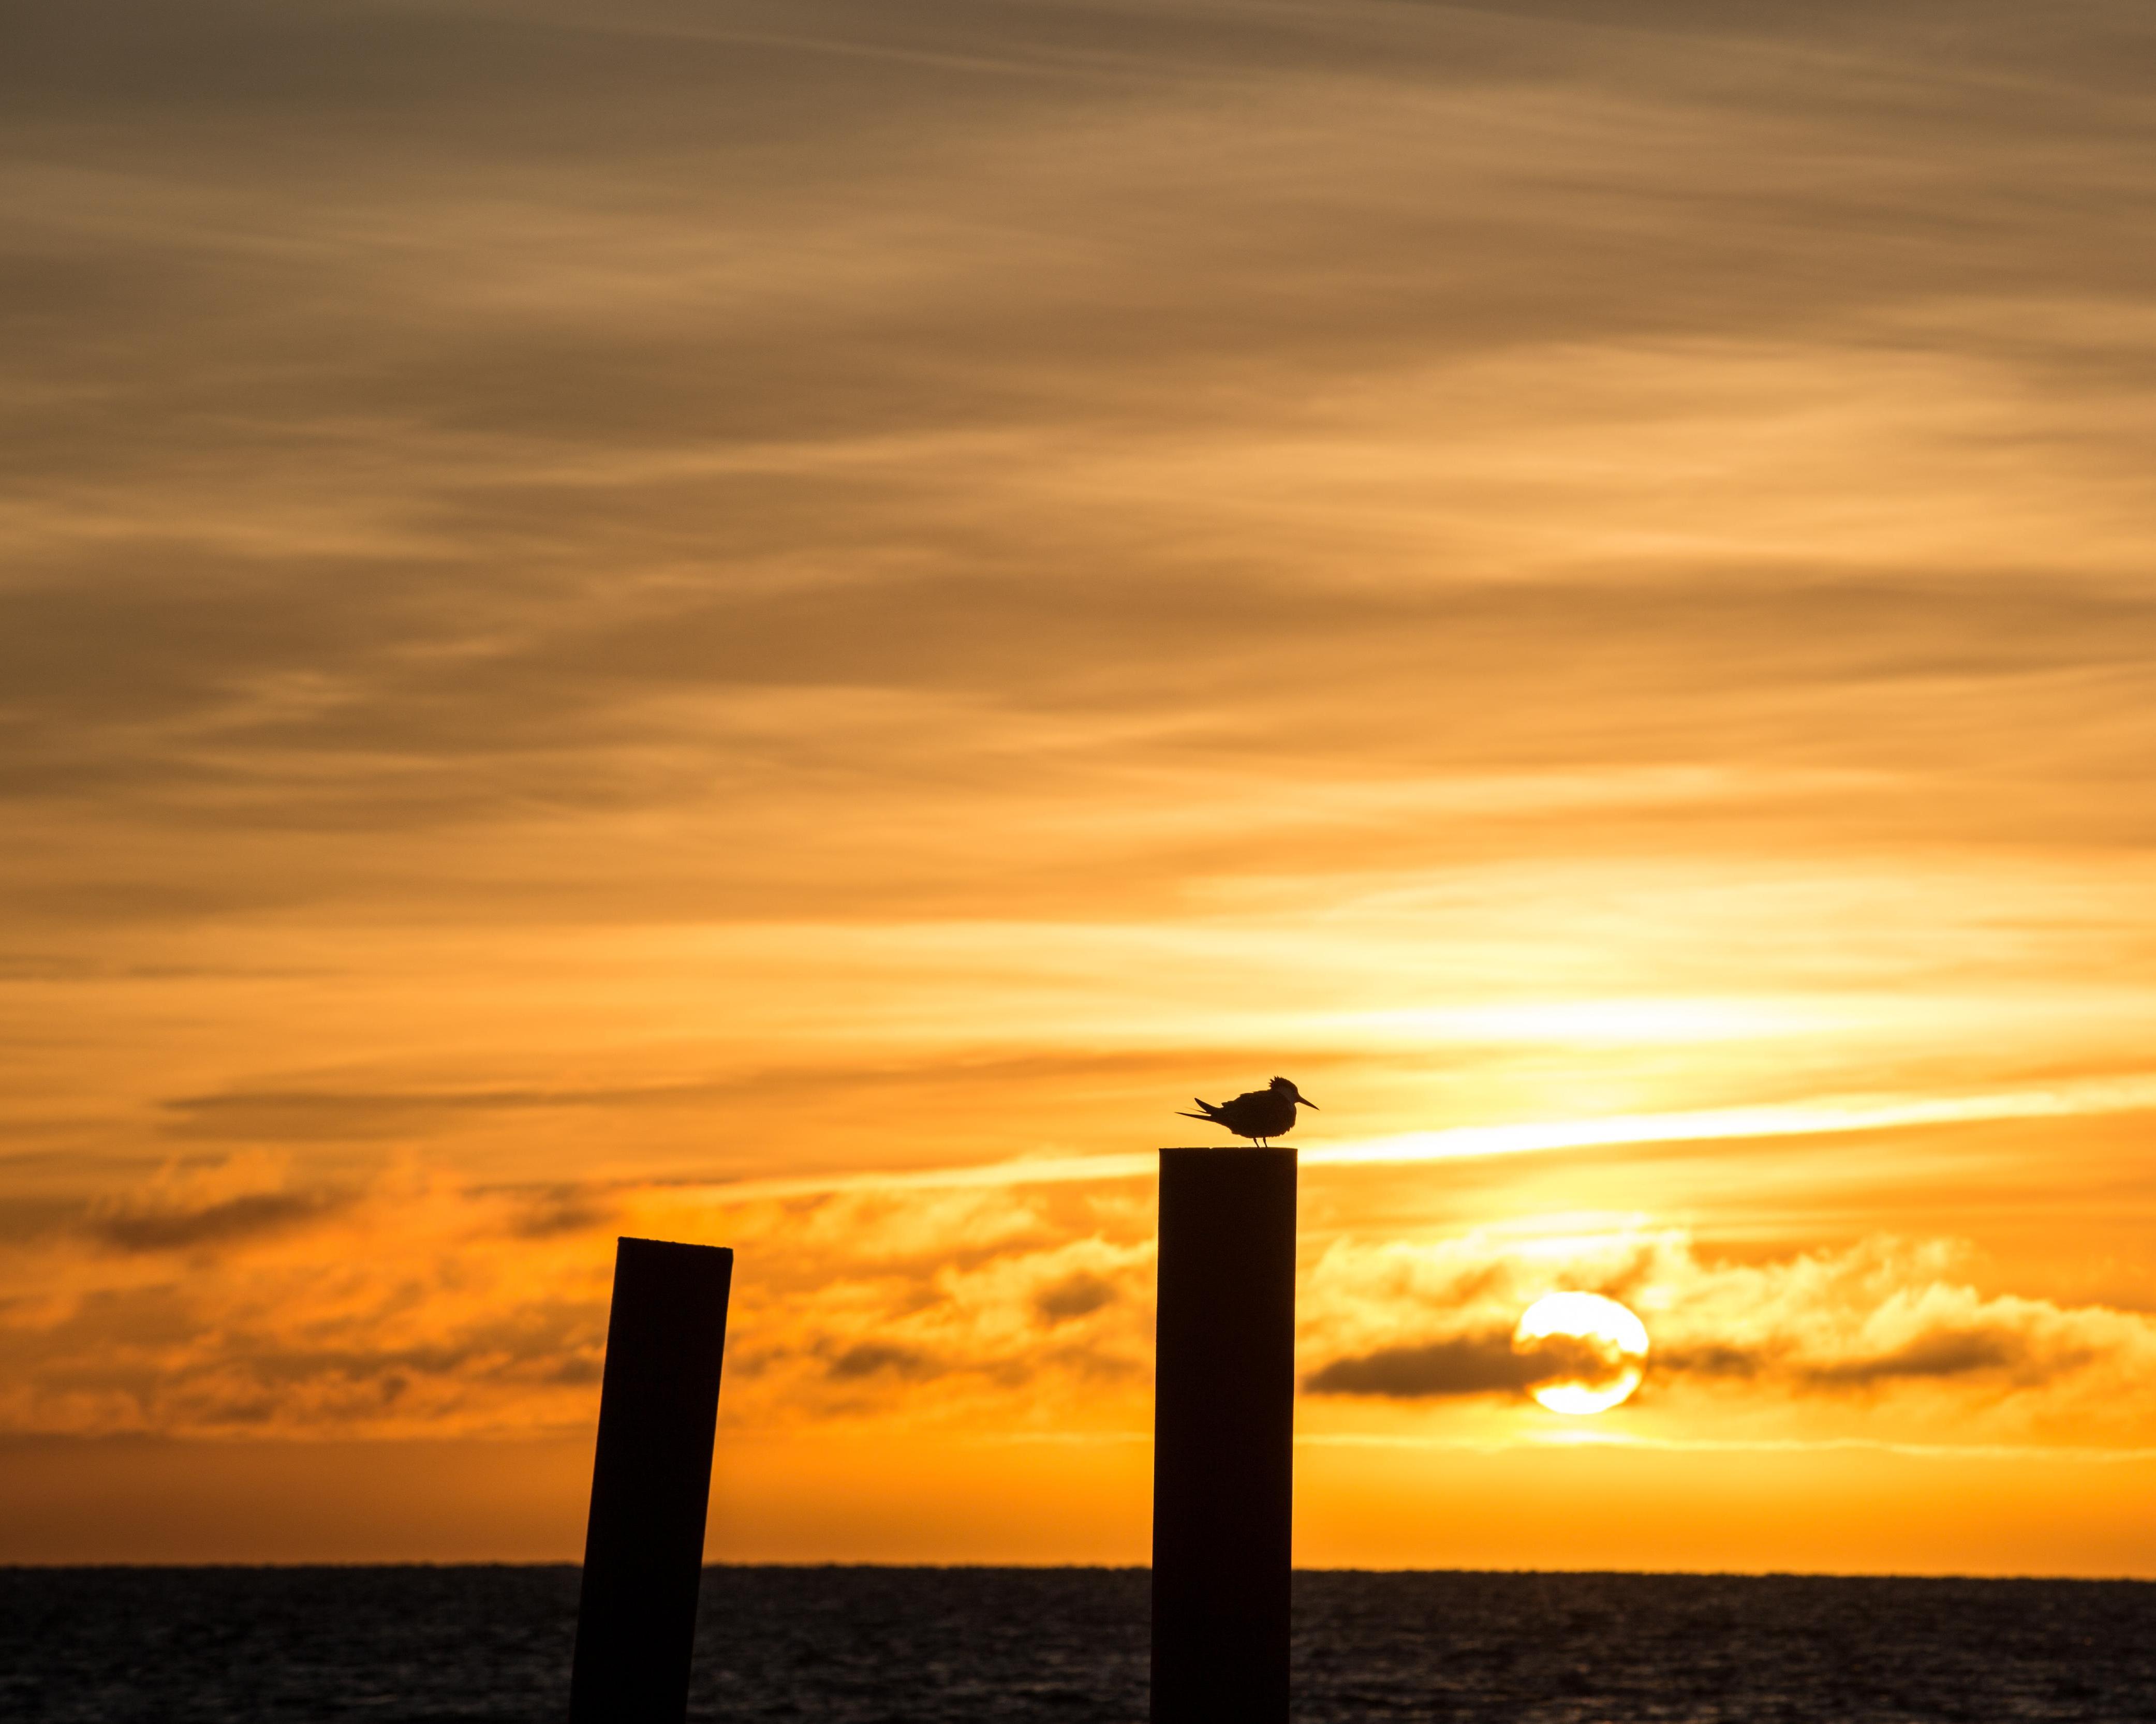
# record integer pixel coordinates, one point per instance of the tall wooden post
(651, 1484)
(1224, 1436)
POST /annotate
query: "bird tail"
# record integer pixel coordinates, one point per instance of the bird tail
(1211, 1113)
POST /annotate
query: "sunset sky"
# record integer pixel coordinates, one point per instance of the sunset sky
(785, 625)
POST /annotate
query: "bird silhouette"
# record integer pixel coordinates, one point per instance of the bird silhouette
(1261, 1115)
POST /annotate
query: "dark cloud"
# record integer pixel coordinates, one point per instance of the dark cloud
(169, 1359)
(26, 1218)
(1997, 1350)
(873, 1358)
(564, 1209)
(1949, 1353)
(1077, 1295)
(1713, 1360)
(220, 1223)
(1486, 1364)
(1472, 1365)
(1482, 1364)
(549, 1340)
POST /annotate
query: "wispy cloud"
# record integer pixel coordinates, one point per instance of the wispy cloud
(2066, 1100)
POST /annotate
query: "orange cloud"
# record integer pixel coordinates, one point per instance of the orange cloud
(227, 1300)
(1883, 1331)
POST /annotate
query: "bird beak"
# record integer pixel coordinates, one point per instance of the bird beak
(1307, 1102)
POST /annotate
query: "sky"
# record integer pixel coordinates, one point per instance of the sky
(785, 625)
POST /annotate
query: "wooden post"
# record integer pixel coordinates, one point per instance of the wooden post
(651, 1484)
(1224, 1436)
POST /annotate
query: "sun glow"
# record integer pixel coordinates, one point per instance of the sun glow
(1614, 1023)
(1597, 1350)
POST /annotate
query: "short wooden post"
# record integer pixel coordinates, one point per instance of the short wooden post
(651, 1484)
(1224, 1436)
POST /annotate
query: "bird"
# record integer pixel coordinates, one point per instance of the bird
(1261, 1115)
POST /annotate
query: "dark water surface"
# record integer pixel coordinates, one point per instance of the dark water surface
(856, 1645)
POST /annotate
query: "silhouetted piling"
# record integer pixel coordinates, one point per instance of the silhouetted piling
(651, 1484)
(1224, 1436)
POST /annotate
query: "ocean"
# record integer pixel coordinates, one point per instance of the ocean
(877, 1645)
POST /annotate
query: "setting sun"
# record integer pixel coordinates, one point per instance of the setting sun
(1603, 1367)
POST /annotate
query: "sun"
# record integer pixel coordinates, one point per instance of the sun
(1595, 1349)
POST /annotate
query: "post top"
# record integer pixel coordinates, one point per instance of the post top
(630, 1243)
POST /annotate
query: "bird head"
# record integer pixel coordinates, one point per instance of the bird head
(1285, 1088)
